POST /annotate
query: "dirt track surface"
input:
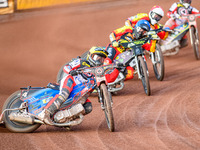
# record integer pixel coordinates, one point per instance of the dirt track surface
(35, 44)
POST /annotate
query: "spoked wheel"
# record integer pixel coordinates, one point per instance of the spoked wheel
(14, 102)
(107, 103)
(158, 66)
(194, 37)
(144, 76)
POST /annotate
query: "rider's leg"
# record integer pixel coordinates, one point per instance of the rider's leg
(129, 73)
(87, 106)
(66, 87)
(184, 41)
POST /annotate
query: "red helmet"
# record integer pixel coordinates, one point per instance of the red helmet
(156, 13)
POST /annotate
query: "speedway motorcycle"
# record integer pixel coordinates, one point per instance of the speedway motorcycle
(21, 109)
(171, 45)
(135, 58)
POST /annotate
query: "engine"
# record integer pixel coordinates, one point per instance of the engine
(69, 114)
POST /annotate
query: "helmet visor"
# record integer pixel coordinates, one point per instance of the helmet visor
(142, 32)
(156, 17)
(187, 1)
(98, 58)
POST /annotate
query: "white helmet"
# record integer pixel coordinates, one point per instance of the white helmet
(156, 13)
(186, 3)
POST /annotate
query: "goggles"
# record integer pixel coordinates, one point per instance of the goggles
(156, 17)
(98, 58)
(187, 1)
(142, 32)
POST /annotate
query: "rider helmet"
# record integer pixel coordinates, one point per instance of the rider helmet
(156, 13)
(186, 3)
(96, 56)
(141, 29)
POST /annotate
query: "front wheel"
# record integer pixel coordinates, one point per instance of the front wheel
(194, 37)
(107, 103)
(14, 102)
(158, 63)
(144, 76)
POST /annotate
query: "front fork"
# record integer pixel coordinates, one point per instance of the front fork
(137, 65)
(196, 36)
(152, 58)
(100, 99)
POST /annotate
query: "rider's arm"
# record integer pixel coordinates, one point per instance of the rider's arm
(172, 10)
(72, 66)
(194, 11)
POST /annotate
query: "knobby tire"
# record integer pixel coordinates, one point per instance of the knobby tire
(158, 67)
(145, 78)
(107, 107)
(194, 42)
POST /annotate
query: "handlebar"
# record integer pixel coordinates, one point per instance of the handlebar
(97, 70)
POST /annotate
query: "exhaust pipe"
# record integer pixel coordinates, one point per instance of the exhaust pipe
(23, 118)
(18, 117)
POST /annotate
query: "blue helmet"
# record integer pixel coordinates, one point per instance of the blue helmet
(141, 28)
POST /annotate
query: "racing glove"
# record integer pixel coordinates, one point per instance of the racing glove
(121, 67)
(115, 43)
(175, 16)
(73, 73)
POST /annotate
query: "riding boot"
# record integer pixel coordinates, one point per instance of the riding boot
(184, 42)
(51, 108)
(87, 106)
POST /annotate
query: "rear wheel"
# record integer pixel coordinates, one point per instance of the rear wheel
(194, 37)
(158, 67)
(107, 102)
(14, 102)
(144, 76)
